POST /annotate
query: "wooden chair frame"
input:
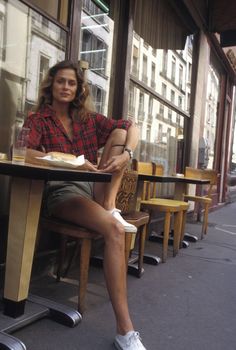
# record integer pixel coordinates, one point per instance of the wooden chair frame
(150, 202)
(205, 200)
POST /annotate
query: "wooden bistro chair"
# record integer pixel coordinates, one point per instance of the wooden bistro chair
(205, 200)
(85, 237)
(150, 203)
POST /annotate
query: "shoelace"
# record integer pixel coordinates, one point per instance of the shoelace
(134, 336)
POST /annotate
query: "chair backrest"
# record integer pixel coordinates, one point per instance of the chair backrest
(203, 174)
(148, 168)
(126, 196)
(158, 169)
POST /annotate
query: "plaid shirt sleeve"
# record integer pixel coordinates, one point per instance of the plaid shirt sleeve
(34, 124)
(105, 126)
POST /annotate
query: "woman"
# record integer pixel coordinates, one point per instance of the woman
(63, 123)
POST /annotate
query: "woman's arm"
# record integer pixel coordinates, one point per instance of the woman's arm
(118, 162)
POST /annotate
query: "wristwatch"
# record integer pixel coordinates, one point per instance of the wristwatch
(131, 153)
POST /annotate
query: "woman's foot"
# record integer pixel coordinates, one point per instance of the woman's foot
(129, 341)
(128, 227)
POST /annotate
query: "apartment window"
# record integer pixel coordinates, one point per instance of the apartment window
(97, 31)
(94, 51)
(160, 132)
(135, 61)
(163, 90)
(164, 62)
(161, 109)
(144, 75)
(43, 67)
(181, 76)
(172, 96)
(141, 102)
(189, 72)
(188, 101)
(148, 134)
(131, 99)
(180, 102)
(173, 68)
(153, 76)
(98, 98)
(150, 105)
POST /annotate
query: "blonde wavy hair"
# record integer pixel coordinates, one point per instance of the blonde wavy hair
(81, 106)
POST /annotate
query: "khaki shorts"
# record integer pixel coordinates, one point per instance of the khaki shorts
(56, 192)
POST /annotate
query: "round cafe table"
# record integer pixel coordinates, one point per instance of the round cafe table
(26, 189)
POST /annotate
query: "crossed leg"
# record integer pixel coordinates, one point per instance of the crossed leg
(105, 193)
(80, 210)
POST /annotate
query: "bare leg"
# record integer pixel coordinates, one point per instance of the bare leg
(79, 211)
(105, 193)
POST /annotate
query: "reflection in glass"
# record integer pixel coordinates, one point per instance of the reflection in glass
(161, 126)
(96, 51)
(212, 102)
(29, 45)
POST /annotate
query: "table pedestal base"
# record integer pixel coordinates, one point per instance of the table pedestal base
(154, 237)
(190, 238)
(35, 308)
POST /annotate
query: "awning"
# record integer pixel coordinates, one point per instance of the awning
(163, 24)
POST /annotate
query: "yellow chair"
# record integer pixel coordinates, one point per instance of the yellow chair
(150, 202)
(205, 200)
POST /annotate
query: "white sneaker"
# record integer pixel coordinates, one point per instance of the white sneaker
(128, 227)
(129, 341)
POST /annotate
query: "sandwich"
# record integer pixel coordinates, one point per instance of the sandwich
(62, 156)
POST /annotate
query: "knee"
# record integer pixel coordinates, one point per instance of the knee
(115, 235)
(118, 136)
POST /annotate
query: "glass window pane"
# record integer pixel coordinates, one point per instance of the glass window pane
(29, 45)
(167, 73)
(96, 50)
(55, 8)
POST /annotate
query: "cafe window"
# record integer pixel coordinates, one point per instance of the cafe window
(167, 123)
(56, 8)
(31, 46)
(96, 48)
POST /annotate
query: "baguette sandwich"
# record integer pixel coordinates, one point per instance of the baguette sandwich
(62, 156)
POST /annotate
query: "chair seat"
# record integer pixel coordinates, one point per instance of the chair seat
(203, 199)
(183, 204)
(137, 218)
(67, 228)
(163, 204)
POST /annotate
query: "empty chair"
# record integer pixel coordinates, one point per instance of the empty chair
(205, 200)
(150, 202)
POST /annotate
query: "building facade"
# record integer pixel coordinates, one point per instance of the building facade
(178, 87)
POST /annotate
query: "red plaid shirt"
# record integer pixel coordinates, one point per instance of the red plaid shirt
(47, 131)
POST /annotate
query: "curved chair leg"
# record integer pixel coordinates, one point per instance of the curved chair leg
(182, 228)
(177, 231)
(166, 236)
(61, 257)
(83, 272)
(205, 221)
(142, 238)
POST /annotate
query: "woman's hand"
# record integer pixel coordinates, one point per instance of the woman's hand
(116, 163)
(87, 166)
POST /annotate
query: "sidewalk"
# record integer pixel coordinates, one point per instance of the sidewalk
(188, 303)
